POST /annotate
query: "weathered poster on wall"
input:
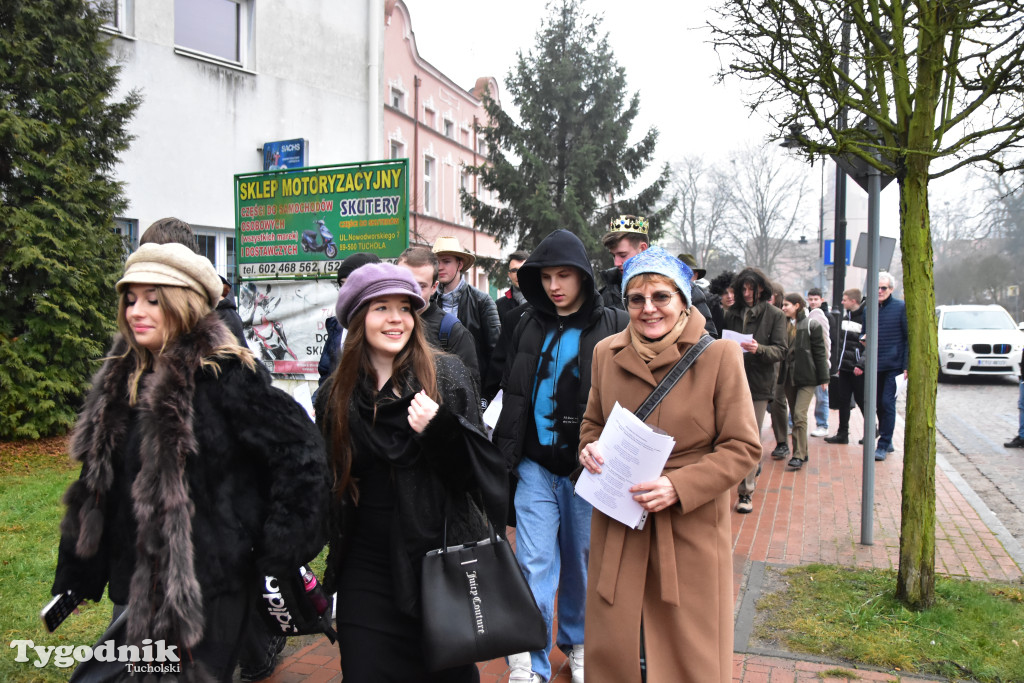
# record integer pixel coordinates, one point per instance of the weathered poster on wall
(284, 321)
(297, 224)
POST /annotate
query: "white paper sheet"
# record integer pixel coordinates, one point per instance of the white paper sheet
(493, 411)
(633, 453)
(737, 337)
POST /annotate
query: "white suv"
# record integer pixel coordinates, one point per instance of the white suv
(978, 340)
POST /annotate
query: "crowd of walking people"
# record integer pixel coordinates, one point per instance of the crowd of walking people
(199, 477)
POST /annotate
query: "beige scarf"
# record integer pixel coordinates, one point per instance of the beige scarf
(649, 349)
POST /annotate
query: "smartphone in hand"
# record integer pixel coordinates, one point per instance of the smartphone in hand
(58, 609)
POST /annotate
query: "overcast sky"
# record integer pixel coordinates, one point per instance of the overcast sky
(664, 52)
(664, 49)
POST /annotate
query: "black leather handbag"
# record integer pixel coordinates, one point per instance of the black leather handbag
(476, 604)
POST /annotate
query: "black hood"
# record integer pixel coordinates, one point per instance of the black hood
(560, 248)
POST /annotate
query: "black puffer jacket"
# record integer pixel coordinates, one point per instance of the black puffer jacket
(611, 293)
(558, 249)
(213, 477)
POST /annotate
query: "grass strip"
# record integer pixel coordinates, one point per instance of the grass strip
(975, 629)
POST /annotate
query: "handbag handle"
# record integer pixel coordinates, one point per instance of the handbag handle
(670, 379)
(444, 533)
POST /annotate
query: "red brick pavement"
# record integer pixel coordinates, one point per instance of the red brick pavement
(802, 517)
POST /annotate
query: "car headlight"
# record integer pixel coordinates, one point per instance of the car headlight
(956, 346)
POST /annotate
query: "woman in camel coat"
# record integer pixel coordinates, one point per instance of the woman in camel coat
(673, 579)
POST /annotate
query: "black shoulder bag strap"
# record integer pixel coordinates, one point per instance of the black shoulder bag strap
(664, 386)
(669, 380)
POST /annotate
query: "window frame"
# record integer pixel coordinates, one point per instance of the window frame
(429, 184)
(244, 38)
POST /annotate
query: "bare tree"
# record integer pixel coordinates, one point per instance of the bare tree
(937, 85)
(698, 224)
(765, 195)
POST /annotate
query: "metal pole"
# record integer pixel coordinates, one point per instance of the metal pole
(871, 366)
(839, 250)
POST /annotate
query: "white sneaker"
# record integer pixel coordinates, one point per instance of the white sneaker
(820, 431)
(521, 671)
(576, 663)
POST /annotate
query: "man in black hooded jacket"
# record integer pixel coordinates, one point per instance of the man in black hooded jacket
(546, 384)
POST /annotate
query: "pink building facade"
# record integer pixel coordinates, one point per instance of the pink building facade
(431, 121)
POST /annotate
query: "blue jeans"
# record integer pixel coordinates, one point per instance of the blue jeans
(553, 546)
(1020, 412)
(886, 398)
(821, 407)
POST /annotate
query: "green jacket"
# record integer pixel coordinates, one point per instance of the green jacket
(806, 361)
(768, 326)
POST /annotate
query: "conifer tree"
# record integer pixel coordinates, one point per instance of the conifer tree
(567, 163)
(60, 136)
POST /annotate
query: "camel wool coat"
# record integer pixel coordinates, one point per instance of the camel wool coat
(675, 573)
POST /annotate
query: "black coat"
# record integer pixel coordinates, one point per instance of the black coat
(479, 314)
(459, 342)
(455, 463)
(851, 327)
(223, 475)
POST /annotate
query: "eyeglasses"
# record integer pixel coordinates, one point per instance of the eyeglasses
(883, 288)
(659, 299)
(513, 271)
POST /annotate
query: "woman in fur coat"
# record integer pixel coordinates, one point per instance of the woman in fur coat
(400, 421)
(197, 475)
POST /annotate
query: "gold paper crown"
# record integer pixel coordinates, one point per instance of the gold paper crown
(625, 223)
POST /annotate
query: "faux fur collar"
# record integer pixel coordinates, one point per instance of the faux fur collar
(165, 599)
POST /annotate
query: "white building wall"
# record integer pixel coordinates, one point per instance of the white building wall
(305, 75)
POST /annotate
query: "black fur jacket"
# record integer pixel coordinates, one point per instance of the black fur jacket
(211, 477)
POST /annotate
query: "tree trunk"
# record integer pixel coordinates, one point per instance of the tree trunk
(916, 579)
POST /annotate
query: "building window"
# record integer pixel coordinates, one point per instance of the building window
(397, 150)
(128, 229)
(449, 129)
(464, 185)
(218, 28)
(430, 117)
(119, 14)
(429, 171)
(231, 262)
(481, 145)
(208, 247)
(398, 99)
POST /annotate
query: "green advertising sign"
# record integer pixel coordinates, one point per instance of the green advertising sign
(302, 223)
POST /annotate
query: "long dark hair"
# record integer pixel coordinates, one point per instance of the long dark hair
(413, 367)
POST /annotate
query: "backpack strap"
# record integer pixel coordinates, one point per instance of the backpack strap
(669, 380)
(445, 331)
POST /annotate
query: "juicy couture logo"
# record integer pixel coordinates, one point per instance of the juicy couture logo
(478, 613)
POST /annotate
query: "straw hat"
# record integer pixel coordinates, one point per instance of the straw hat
(451, 246)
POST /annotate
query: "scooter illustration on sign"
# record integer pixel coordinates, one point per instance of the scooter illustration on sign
(311, 240)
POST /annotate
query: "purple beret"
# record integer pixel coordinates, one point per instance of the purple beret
(372, 281)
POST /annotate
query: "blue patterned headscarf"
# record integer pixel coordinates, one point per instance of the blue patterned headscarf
(657, 260)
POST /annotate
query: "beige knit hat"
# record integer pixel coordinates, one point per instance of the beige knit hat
(175, 265)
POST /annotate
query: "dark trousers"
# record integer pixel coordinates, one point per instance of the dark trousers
(845, 385)
(886, 410)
